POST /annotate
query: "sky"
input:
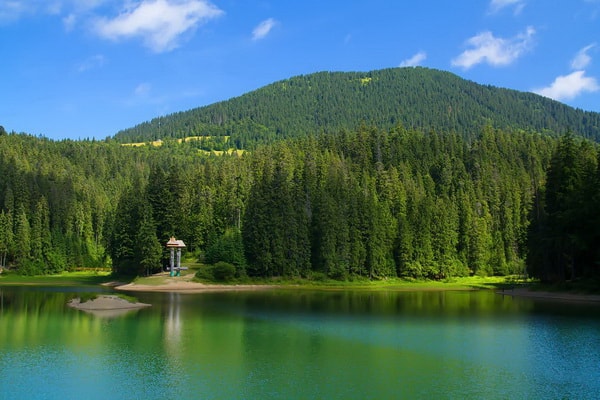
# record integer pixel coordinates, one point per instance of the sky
(82, 69)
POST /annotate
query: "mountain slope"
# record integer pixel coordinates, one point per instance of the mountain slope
(329, 101)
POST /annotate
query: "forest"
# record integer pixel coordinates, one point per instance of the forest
(402, 172)
(327, 102)
(367, 202)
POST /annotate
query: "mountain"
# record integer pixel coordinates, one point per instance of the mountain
(332, 101)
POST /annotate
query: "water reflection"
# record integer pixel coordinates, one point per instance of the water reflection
(109, 314)
(173, 321)
(300, 344)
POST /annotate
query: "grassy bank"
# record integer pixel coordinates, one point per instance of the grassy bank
(77, 278)
(90, 278)
(466, 283)
(205, 274)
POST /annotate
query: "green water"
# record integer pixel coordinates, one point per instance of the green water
(292, 344)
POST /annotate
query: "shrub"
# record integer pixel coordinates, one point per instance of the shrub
(31, 267)
(223, 271)
(205, 274)
(318, 276)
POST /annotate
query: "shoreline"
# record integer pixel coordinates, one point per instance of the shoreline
(545, 295)
(191, 287)
(162, 282)
(182, 286)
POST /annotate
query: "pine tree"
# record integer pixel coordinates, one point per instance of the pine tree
(148, 250)
(22, 237)
(124, 233)
(6, 237)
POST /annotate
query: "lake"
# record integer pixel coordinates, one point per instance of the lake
(299, 344)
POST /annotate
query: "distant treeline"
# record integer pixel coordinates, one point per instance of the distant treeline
(367, 203)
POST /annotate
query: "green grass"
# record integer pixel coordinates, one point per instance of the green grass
(466, 283)
(150, 280)
(85, 297)
(126, 297)
(77, 278)
(90, 278)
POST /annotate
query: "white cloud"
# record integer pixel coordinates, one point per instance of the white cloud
(415, 60)
(159, 23)
(263, 29)
(494, 51)
(566, 87)
(497, 5)
(582, 59)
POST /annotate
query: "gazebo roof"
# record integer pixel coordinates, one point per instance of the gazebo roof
(175, 243)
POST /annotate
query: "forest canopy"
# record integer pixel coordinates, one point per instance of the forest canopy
(368, 203)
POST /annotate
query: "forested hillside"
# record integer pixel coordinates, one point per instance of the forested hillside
(369, 203)
(414, 98)
(405, 172)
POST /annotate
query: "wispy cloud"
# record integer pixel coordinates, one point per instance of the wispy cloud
(486, 48)
(142, 90)
(498, 5)
(92, 62)
(567, 87)
(16, 9)
(594, 9)
(582, 58)
(69, 21)
(263, 29)
(415, 60)
(159, 23)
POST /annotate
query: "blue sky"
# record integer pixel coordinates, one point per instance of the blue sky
(87, 68)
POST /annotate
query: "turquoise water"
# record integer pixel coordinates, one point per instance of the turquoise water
(292, 344)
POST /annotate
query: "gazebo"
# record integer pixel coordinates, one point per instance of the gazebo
(175, 244)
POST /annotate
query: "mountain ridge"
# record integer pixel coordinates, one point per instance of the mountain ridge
(414, 97)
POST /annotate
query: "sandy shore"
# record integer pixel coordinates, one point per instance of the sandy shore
(188, 287)
(162, 282)
(564, 296)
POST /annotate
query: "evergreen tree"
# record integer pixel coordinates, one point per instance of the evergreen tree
(124, 234)
(6, 237)
(562, 231)
(22, 238)
(148, 250)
